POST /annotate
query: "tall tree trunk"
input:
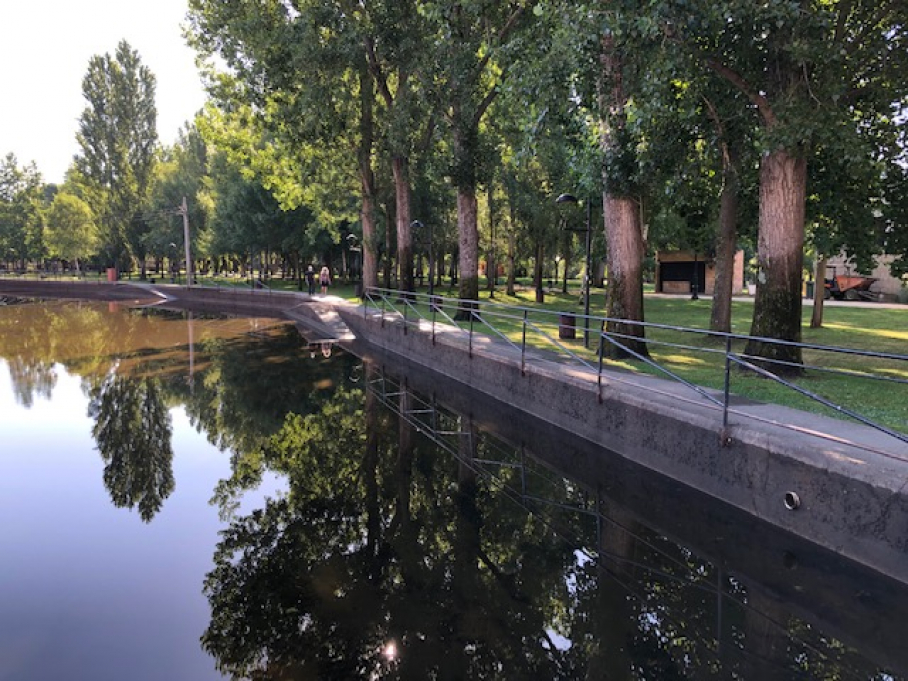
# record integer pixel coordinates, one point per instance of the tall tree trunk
(623, 229)
(404, 237)
(367, 182)
(819, 292)
(726, 242)
(537, 273)
(624, 296)
(468, 242)
(780, 258)
(389, 251)
(512, 245)
(491, 264)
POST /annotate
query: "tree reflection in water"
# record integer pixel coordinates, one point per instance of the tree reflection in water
(388, 558)
(133, 433)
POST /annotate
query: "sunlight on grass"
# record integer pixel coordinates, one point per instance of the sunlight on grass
(683, 360)
(881, 330)
(882, 333)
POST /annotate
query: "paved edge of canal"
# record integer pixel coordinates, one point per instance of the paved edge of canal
(849, 481)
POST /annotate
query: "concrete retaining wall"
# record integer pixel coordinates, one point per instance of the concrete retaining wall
(851, 498)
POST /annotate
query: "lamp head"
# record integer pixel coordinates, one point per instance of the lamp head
(566, 198)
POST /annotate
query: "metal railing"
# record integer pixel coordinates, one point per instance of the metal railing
(541, 331)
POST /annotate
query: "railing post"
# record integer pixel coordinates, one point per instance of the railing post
(472, 315)
(727, 381)
(523, 346)
(405, 316)
(434, 312)
(601, 351)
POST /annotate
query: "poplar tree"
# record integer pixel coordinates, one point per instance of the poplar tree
(118, 141)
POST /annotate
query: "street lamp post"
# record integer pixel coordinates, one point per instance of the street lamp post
(587, 279)
(418, 226)
(695, 284)
(187, 246)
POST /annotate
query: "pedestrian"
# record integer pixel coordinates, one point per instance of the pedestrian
(310, 279)
(324, 278)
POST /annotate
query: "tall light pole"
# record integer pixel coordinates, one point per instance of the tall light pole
(587, 279)
(184, 211)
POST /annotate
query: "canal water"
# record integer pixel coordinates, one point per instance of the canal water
(200, 497)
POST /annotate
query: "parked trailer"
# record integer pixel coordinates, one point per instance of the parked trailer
(849, 287)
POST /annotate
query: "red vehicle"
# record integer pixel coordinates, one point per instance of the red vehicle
(849, 287)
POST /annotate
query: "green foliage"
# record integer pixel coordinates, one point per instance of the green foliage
(21, 211)
(133, 431)
(118, 143)
(181, 173)
(72, 233)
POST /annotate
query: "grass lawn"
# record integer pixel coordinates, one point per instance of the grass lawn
(880, 330)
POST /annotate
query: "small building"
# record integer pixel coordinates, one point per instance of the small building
(675, 272)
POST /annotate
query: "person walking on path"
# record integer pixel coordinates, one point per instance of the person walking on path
(324, 278)
(310, 279)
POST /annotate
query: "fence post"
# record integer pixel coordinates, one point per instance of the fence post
(601, 351)
(523, 346)
(727, 381)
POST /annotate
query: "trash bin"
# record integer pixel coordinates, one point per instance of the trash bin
(111, 274)
(808, 290)
(567, 326)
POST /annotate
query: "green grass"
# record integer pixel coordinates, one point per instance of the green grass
(881, 330)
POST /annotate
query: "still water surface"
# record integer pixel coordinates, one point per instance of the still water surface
(192, 498)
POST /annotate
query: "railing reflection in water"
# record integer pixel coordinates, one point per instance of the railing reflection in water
(700, 615)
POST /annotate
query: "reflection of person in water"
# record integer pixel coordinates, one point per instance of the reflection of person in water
(312, 348)
(326, 349)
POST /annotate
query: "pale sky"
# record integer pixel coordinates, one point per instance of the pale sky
(45, 46)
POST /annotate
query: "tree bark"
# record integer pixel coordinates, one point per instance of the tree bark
(621, 214)
(726, 242)
(624, 296)
(537, 273)
(367, 182)
(780, 258)
(468, 241)
(491, 264)
(404, 237)
(819, 292)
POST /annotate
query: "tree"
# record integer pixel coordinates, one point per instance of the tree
(71, 230)
(118, 141)
(812, 73)
(299, 74)
(181, 173)
(21, 218)
(475, 45)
